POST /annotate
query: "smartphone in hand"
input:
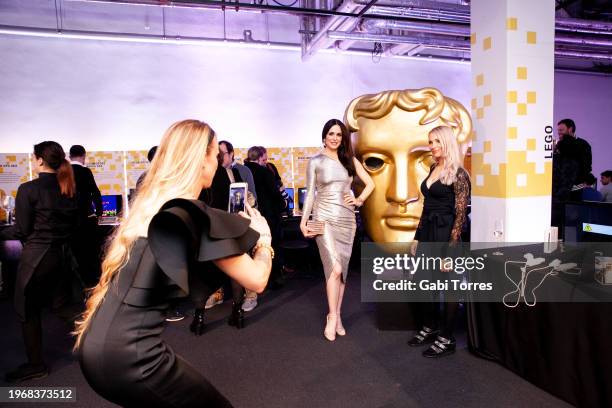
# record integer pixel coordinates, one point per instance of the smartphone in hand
(237, 197)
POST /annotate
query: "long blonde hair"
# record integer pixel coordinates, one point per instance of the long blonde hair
(176, 172)
(453, 159)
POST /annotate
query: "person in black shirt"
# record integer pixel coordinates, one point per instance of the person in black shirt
(84, 245)
(217, 196)
(270, 203)
(566, 128)
(46, 217)
(446, 192)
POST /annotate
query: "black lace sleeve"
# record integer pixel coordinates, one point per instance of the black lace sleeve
(462, 195)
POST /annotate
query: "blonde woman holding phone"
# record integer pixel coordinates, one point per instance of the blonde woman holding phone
(170, 245)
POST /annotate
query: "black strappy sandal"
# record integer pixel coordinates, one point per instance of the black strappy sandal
(440, 348)
(424, 336)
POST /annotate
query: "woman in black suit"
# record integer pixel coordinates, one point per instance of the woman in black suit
(169, 246)
(446, 192)
(46, 217)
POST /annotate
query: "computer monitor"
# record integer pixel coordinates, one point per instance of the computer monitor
(291, 194)
(301, 197)
(111, 205)
(587, 221)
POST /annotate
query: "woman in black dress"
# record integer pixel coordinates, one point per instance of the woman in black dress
(46, 217)
(446, 191)
(170, 245)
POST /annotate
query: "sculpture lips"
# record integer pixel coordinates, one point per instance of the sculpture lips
(402, 222)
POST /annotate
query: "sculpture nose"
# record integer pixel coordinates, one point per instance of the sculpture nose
(402, 188)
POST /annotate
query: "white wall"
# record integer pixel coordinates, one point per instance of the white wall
(113, 96)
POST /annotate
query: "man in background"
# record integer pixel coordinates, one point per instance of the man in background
(270, 203)
(606, 186)
(566, 128)
(85, 245)
(589, 193)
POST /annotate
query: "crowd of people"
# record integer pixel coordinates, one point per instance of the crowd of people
(179, 240)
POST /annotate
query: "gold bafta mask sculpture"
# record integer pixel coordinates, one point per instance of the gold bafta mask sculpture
(390, 139)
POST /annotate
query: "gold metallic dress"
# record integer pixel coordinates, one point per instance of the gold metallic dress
(331, 182)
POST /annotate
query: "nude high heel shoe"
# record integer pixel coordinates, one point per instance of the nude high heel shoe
(330, 329)
(340, 331)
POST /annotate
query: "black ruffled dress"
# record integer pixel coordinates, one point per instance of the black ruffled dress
(122, 354)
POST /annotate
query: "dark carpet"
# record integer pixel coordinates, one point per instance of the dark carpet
(281, 359)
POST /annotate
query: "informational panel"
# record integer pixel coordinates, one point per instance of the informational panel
(240, 153)
(281, 157)
(14, 170)
(301, 156)
(108, 171)
(136, 163)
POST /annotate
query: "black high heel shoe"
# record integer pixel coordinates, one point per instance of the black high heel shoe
(197, 326)
(237, 317)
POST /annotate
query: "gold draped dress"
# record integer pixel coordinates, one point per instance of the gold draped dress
(327, 184)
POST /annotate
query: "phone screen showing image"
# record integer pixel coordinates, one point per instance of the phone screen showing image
(237, 199)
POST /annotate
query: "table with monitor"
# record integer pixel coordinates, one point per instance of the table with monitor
(563, 348)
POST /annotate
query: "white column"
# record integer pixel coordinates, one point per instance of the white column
(512, 108)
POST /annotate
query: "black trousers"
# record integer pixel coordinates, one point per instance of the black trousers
(86, 250)
(50, 285)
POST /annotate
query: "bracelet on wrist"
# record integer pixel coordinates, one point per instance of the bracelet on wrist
(260, 245)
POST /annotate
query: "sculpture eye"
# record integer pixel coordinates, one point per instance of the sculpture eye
(373, 163)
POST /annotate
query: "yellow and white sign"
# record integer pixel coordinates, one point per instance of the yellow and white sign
(108, 171)
(301, 156)
(14, 170)
(136, 163)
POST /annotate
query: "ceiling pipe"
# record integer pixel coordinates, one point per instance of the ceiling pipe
(584, 55)
(400, 39)
(564, 39)
(320, 40)
(431, 28)
(597, 26)
(449, 44)
(404, 49)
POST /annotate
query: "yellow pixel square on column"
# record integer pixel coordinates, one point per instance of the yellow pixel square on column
(531, 37)
(474, 103)
(479, 79)
(479, 113)
(521, 109)
(512, 132)
(531, 97)
(511, 23)
(487, 146)
(521, 73)
(487, 100)
(531, 144)
(473, 38)
(512, 97)
(486, 44)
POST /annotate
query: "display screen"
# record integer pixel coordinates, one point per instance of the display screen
(588, 222)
